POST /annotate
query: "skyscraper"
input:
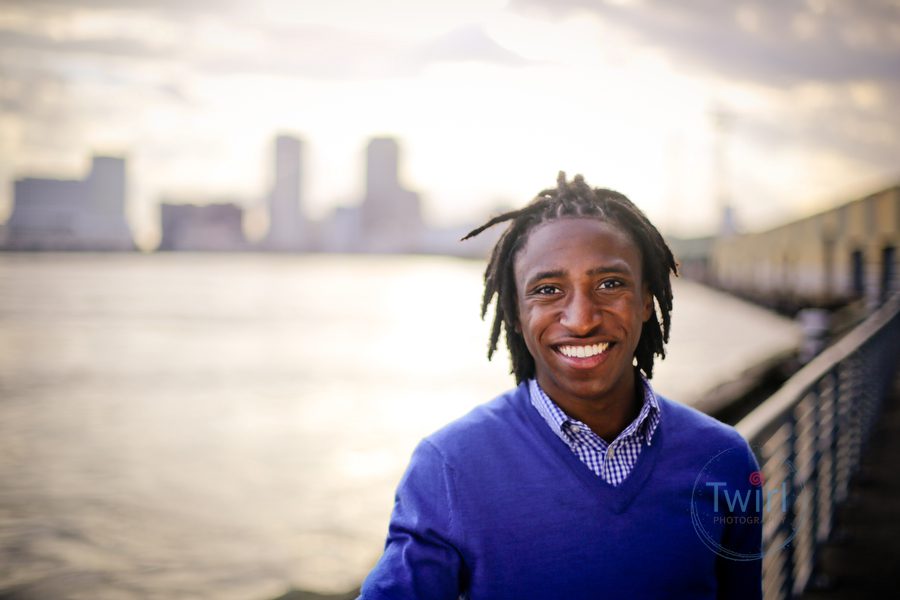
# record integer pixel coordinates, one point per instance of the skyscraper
(286, 223)
(391, 214)
(382, 164)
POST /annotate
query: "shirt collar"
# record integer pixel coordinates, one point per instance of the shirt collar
(645, 424)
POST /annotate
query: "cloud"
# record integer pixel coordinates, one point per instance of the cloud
(469, 43)
(113, 46)
(158, 6)
(217, 47)
(329, 53)
(315, 52)
(225, 45)
(846, 54)
(772, 42)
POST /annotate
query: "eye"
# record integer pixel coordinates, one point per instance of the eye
(609, 284)
(546, 290)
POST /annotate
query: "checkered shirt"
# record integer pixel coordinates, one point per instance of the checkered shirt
(611, 462)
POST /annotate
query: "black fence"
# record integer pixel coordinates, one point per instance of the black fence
(809, 438)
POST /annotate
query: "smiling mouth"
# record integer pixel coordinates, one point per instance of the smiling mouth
(586, 351)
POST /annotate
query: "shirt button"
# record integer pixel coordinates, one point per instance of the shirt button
(611, 452)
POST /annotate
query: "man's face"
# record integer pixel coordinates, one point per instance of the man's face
(582, 303)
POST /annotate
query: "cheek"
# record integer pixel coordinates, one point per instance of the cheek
(516, 319)
(529, 324)
(648, 304)
(525, 324)
(635, 308)
(631, 314)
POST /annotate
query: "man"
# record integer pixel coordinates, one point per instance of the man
(582, 482)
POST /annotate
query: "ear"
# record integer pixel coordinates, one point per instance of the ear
(647, 299)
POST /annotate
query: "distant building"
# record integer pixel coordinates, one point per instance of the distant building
(843, 254)
(88, 214)
(205, 227)
(287, 226)
(692, 255)
(391, 217)
(340, 232)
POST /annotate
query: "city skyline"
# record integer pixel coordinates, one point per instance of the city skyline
(89, 214)
(490, 98)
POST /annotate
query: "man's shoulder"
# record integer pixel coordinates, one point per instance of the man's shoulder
(488, 423)
(688, 422)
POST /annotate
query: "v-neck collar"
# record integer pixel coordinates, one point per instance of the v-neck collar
(619, 497)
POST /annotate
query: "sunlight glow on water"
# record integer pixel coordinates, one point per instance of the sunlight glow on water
(232, 424)
(227, 426)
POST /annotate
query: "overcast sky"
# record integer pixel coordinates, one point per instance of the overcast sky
(489, 99)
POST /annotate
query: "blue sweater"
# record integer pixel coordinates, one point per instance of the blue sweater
(496, 506)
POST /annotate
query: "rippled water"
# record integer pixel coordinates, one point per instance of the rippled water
(228, 426)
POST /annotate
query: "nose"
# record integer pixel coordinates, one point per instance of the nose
(580, 315)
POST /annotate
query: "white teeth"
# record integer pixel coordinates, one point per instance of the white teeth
(583, 351)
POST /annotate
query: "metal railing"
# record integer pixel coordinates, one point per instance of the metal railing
(809, 437)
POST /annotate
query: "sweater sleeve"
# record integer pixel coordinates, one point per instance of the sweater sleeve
(742, 579)
(421, 557)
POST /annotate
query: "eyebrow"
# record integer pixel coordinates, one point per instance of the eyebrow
(618, 267)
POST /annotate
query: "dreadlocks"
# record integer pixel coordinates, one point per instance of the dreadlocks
(575, 199)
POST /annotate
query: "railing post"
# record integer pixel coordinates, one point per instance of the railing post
(815, 476)
(855, 417)
(835, 433)
(790, 516)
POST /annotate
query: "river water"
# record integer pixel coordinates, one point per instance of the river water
(229, 426)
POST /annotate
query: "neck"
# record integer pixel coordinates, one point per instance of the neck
(606, 417)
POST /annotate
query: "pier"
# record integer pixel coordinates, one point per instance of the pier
(842, 255)
(814, 435)
(830, 433)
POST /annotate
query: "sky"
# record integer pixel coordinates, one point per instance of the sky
(782, 107)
